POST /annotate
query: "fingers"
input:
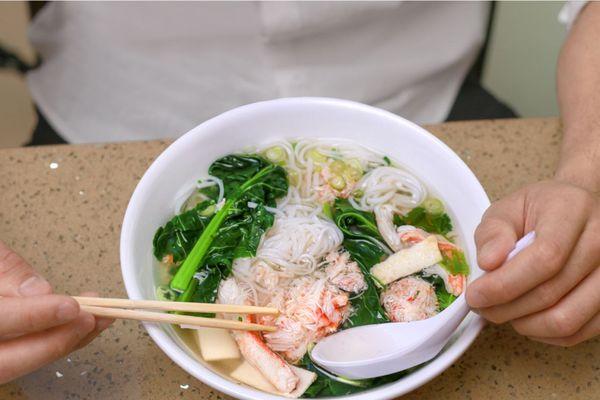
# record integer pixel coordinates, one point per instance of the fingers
(584, 259)
(33, 314)
(568, 316)
(17, 277)
(498, 231)
(588, 331)
(558, 226)
(101, 325)
(27, 353)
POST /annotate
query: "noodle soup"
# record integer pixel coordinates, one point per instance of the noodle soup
(331, 233)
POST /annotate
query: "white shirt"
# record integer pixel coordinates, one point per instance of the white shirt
(134, 71)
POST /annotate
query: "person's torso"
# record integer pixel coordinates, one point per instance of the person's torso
(124, 71)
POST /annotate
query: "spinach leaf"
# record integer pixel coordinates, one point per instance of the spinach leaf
(419, 217)
(366, 306)
(355, 223)
(238, 237)
(178, 236)
(206, 289)
(236, 170)
(230, 233)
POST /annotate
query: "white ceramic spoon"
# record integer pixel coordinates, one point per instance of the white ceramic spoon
(382, 349)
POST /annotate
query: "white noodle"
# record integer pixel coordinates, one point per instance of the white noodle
(389, 185)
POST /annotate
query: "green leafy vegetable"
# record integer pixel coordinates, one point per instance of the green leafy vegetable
(235, 226)
(206, 287)
(178, 236)
(355, 223)
(419, 217)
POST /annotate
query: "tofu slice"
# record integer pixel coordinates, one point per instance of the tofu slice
(408, 261)
(216, 344)
(249, 375)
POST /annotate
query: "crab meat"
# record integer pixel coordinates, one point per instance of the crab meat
(409, 299)
(253, 348)
(311, 308)
(344, 273)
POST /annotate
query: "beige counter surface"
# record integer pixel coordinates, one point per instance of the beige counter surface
(61, 207)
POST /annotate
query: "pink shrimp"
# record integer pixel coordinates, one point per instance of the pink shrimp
(409, 299)
(252, 346)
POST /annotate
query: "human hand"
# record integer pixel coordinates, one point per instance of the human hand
(549, 291)
(36, 326)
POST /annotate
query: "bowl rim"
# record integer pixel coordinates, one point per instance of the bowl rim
(473, 324)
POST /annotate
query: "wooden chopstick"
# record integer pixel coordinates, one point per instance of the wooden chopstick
(174, 306)
(175, 319)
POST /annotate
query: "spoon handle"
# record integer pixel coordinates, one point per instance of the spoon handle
(521, 244)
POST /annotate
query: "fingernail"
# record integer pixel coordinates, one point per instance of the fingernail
(67, 311)
(34, 286)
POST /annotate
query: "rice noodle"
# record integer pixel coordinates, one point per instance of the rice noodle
(389, 185)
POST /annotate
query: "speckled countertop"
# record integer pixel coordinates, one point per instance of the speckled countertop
(61, 207)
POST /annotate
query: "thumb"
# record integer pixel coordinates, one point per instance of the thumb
(17, 277)
(501, 226)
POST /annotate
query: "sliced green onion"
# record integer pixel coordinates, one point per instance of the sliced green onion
(358, 193)
(337, 182)
(316, 156)
(337, 167)
(275, 154)
(293, 177)
(433, 205)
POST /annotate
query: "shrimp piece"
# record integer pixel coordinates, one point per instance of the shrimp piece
(409, 299)
(343, 273)
(168, 259)
(253, 348)
(455, 284)
(410, 235)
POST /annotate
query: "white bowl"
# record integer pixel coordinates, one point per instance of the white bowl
(188, 158)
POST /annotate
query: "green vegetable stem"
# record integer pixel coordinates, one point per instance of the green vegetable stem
(235, 229)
